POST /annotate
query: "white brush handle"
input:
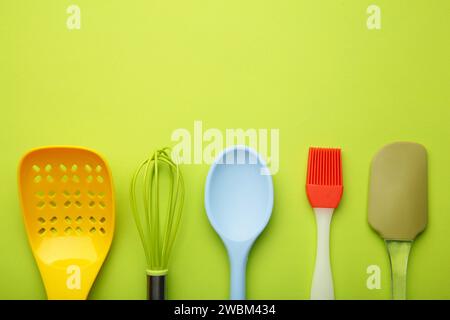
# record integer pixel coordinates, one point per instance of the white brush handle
(322, 284)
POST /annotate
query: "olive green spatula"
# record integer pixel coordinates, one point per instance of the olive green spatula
(398, 204)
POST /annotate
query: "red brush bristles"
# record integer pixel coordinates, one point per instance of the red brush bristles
(324, 178)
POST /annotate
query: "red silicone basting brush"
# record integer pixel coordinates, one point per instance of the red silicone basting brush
(324, 189)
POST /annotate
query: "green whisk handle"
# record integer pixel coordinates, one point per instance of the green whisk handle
(156, 287)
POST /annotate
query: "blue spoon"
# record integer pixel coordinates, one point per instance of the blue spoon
(239, 202)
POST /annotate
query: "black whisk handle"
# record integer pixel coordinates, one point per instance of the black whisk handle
(156, 287)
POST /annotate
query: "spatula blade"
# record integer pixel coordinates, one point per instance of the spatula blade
(398, 195)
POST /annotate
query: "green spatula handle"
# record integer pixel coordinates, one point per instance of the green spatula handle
(156, 287)
(398, 255)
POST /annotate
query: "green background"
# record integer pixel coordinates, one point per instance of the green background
(137, 70)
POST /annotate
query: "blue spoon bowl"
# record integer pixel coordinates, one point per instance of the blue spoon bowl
(239, 202)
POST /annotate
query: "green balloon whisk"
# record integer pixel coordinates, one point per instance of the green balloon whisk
(157, 226)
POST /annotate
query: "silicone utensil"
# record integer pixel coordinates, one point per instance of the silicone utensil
(398, 204)
(238, 201)
(324, 190)
(68, 206)
(157, 237)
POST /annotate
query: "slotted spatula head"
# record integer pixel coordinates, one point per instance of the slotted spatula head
(68, 206)
(398, 196)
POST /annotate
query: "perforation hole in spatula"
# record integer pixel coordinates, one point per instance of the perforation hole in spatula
(40, 194)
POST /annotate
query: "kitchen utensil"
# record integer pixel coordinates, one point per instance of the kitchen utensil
(68, 206)
(324, 190)
(398, 204)
(157, 228)
(238, 201)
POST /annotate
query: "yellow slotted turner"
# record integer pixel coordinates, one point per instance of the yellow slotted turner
(68, 206)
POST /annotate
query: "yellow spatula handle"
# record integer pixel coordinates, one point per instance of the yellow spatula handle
(398, 255)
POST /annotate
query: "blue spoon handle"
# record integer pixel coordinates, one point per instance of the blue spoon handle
(238, 267)
(238, 264)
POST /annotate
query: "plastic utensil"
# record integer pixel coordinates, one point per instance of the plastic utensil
(157, 227)
(398, 204)
(68, 206)
(239, 202)
(324, 190)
